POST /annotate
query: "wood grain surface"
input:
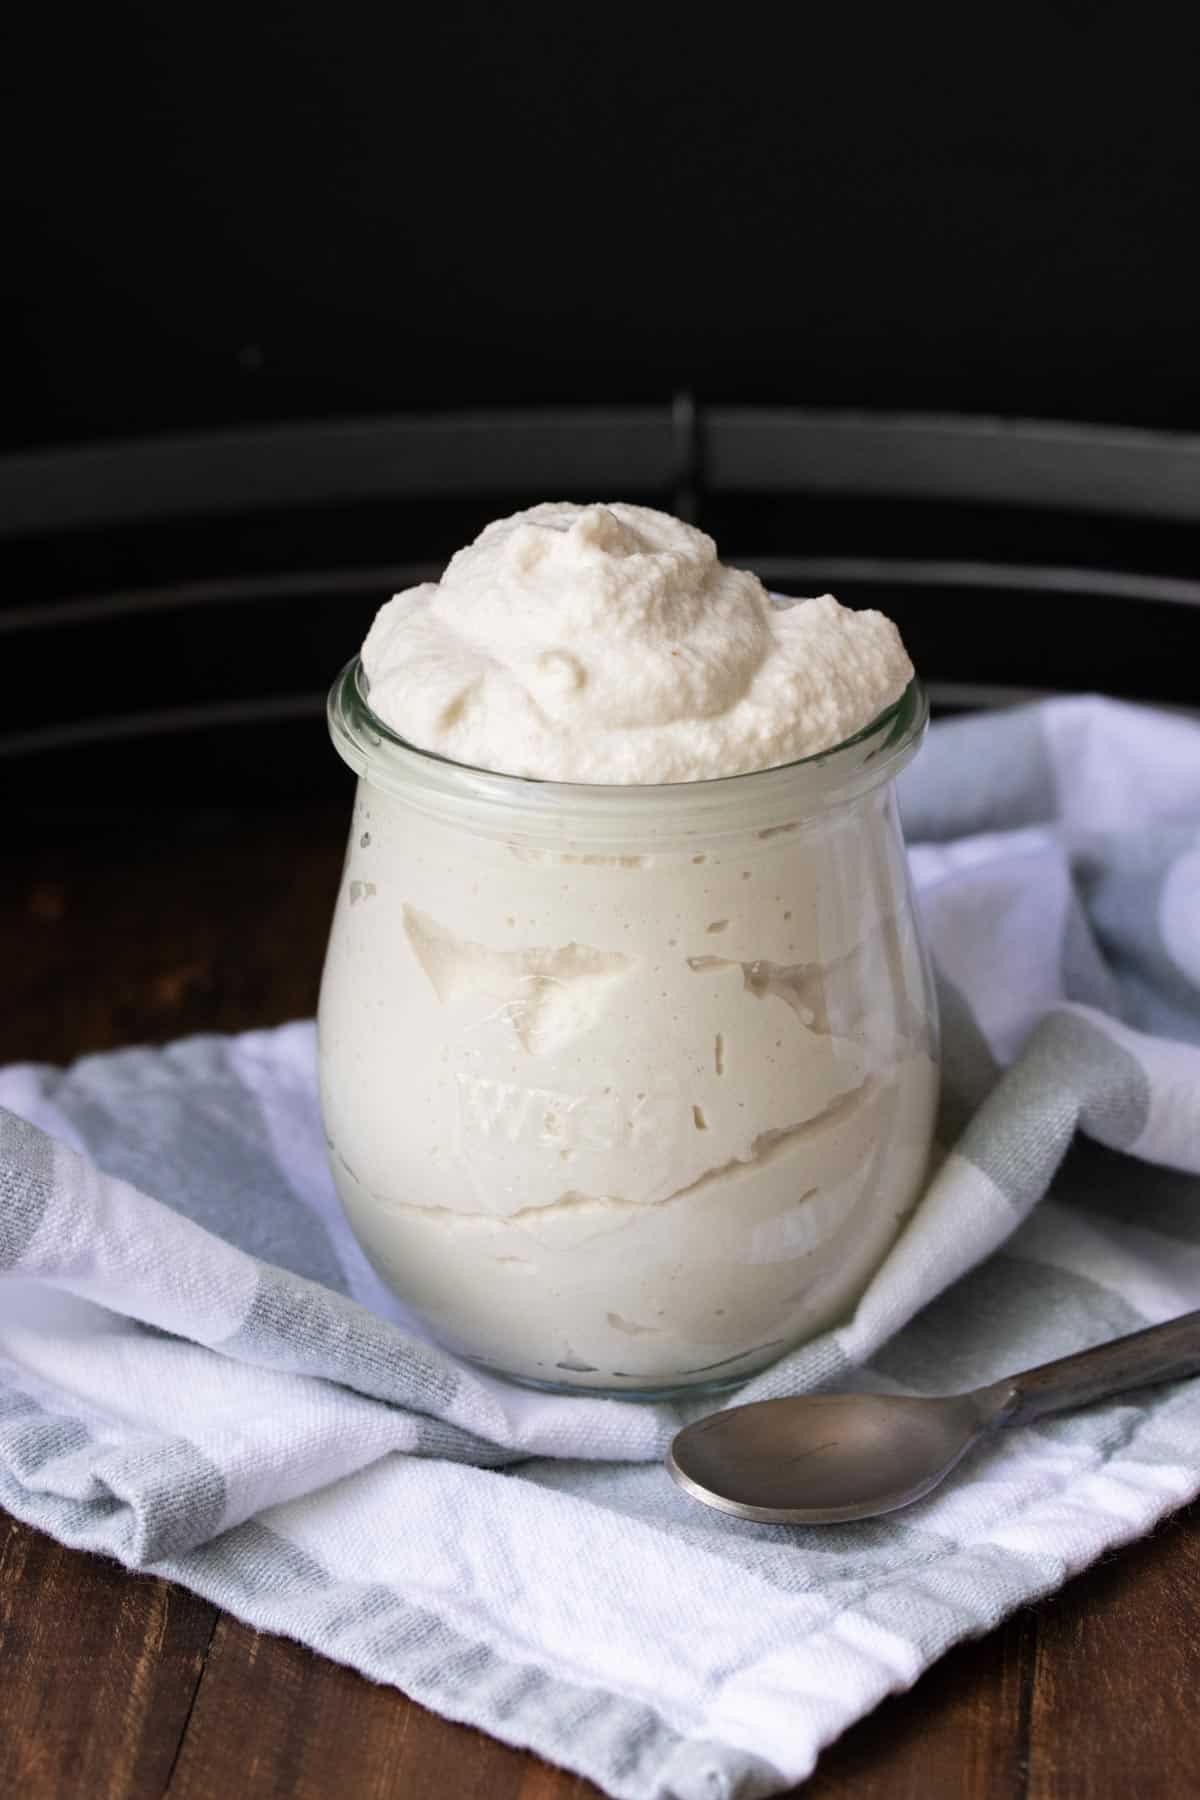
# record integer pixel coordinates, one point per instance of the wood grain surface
(122, 928)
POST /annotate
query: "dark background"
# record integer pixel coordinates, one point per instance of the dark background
(223, 223)
(302, 209)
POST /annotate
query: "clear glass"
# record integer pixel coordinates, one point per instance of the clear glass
(627, 1089)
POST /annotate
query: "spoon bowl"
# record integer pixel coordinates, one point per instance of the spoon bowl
(819, 1459)
(825, 1458)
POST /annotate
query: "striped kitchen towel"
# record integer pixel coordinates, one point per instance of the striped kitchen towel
(199, 1373)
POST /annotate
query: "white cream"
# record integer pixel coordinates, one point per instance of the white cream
(638, 1102)
(608, 644)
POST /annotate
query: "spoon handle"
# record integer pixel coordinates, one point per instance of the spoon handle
(1162, 1353)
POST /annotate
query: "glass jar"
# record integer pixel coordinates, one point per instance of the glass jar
(627, 1089)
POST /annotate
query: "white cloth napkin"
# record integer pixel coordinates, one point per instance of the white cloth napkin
(200, 1373)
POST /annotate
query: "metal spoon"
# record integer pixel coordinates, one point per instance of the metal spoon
(821, 1458)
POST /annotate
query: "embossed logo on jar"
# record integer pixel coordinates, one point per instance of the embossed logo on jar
(493, 1115)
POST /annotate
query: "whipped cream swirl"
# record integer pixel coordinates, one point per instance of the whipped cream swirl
(608, 644)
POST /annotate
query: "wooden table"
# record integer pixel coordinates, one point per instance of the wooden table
(117, 1686)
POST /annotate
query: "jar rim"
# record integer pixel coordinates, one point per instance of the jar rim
(809, 784)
